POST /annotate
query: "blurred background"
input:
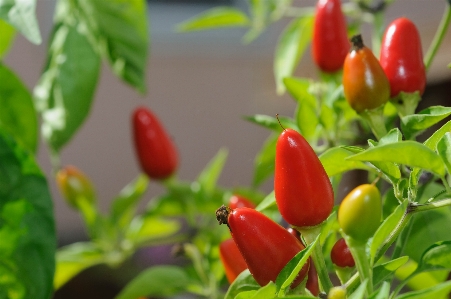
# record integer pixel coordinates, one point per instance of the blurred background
(200, 85)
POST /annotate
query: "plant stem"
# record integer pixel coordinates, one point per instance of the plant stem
(309, 234)
(362, 262)
(438, 38)
(416, 207)
(378, 31)
(376, 120)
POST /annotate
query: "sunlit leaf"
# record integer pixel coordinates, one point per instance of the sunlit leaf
(244, 282)
(334, 161)
(214, 18)
(6, 38)
(21, 14)
(426, 118)
(291, 45)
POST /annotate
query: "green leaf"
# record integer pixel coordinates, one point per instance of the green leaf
(74, 258)
(17, 113)
(6, 38)
(359, 293)
(269, 201)
(409, 153)
(444, 150)
(383, 271)
(21, 14)
(160, 281)
(264, 161)
(436, 257)
(393, 136)
(260, 10)
(291, 45)
(272, 123)
(266, 292)
(124, 206)
(335, 162)
(291, 270)
(412, 124)
(438, 291)
(244, 282)
(382, 293)
(147, 229)
(66, 89)
(306, 117)
(209, 176)
(214, 18)
(27, 230)
(121, 31)
(384, 231)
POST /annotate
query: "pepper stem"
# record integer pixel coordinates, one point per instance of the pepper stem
(376, 120)
(362, 262)
(310, 234)
(357, 42)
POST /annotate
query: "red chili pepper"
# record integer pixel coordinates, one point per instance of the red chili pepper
(231, 259)
(156, 152)
(364, 82)
(237, 201)
(265, 245)
(402, 57)
(341, 255)
(302, 188)
(330, 43)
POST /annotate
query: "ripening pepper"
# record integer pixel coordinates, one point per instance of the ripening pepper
(365, 84)
(265, 245)
(156, 152)
(237, 201)
(341, 255)
(302, 188)
(75, 186)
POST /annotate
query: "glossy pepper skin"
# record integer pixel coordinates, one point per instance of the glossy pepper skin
(330, 43)
(75, 186)
(360, 212)
(401, 57)
(156, 152)
(364, 81)
(237, 201)
(265, 245)
(302, 188)
(231, 259)
(341, 255)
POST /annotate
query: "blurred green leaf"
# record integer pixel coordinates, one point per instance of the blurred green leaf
(359, 293)
(383, 292)
(385, 270)
(384, 231)
(214, 18)
(437, 256)
(74, 258)
(272, 123)
(334, 161)
(415, 123)
(393, 136)
(444, 150)
(291, 46)
(121, 31)
(27, 229)
(260, 10)
(21, 14)
(6, 38)
(264, 161)
(17, 113)
(123, 207)
(291, 270)
(409, 153)
(147, 229)
(438, 291)
(269, 201)
(66, 89)
(244, 282)
(305, 113)
(210, 175)
(160, 281)
(266, 292)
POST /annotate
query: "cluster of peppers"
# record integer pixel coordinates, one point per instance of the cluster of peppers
(303, 191)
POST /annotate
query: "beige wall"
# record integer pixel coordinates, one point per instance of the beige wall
(200, 85)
